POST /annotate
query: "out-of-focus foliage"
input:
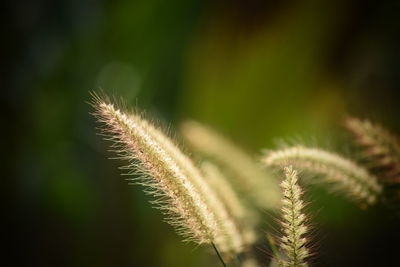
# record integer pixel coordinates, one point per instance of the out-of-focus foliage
(256, 70)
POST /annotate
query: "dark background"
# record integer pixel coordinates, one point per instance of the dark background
(257, 70)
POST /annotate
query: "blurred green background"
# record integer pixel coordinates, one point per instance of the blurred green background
(257, 70)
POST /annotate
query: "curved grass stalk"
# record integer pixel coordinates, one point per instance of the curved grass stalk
(233, 241)
(190, 204)
(229, 222)
(343, 174)
(245, 174)
(380, 146)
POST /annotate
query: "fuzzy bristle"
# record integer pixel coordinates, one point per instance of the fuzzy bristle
(380, 147)
(232, 241)
(342, 173)
(293, 241)
(183, 195)
(245, 174)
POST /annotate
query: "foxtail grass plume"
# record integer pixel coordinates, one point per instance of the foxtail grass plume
(183, 195)
(244, 173)
(380, 147)
(233, 241)
(293, 241)
(343, 174)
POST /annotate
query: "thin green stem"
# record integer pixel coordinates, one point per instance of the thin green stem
(219, 255)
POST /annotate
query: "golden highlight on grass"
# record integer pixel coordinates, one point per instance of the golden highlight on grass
(343, 174)
(293, 241)
(380, 147)
(182, 193)
(244, 173)
(232, 241)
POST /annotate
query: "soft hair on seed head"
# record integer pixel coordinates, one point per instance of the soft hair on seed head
(343, 174)
(183, 195)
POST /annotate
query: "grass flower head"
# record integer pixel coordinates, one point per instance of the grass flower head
(190, 204)
(342, 174)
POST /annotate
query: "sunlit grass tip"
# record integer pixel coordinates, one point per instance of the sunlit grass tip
(343, 175)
